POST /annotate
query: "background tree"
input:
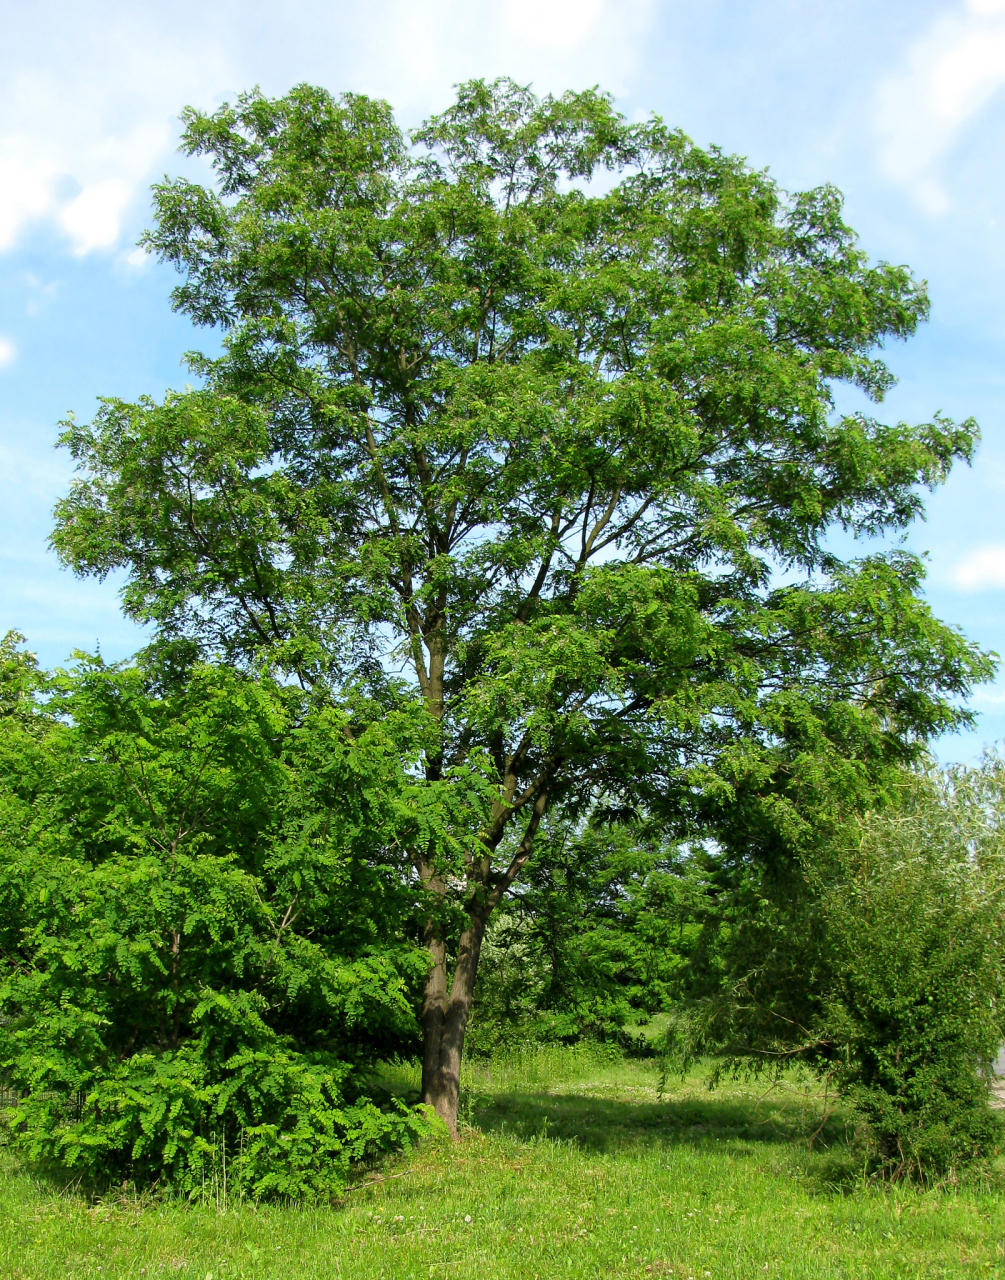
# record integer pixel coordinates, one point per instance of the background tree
(591, 940)
(525, 414)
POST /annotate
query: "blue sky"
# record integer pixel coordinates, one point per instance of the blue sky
(900, 104)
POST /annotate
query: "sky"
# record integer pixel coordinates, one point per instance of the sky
(899, 104)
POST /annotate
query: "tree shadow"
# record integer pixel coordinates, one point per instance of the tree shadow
(608, 1124)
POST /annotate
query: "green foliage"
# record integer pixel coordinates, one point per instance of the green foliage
(875, 956)
(591, 941)
(917, 912)
(167, 1119)
(542, 444)
(203, 925)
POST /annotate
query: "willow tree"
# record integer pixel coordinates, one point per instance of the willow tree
(514, 420)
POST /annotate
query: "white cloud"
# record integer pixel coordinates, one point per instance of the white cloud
(25, 192)
(92, 218)
(553, 24)
(948, 76)
(987, 698)
(88, 116)
(412, 53)
(982, 569)
(7, 352)
(89, 106)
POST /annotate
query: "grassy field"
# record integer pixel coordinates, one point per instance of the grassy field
(571, 1166)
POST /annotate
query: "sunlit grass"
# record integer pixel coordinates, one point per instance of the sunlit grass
(572, 1165)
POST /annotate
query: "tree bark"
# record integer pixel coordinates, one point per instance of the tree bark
(434, 1001)
(445, 1019)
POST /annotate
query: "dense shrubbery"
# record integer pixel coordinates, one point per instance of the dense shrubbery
(915, 1002)
(876, 956)
(208, 933)
(203, 926)
(863, 942)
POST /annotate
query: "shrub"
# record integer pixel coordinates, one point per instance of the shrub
(915, 915)
(203, 927)
(875, 956)
(274, 1122)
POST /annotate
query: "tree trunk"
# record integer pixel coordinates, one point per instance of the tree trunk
(434, 999)
(445, 1015)
(445, 1019)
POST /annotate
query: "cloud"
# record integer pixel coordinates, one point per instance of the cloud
(25, 193)
(553, 24)
(92, 218)
(987, 697)
(413, 53)
(7, 352)
(90, 105)
(88, 116)
(982, 569)
(947, 78)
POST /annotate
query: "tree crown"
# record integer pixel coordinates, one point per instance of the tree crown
(531, 404)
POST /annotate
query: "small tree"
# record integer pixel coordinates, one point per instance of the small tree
(535, 444)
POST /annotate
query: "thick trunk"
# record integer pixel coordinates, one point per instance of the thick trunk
(445, 1019)
(434, 1002)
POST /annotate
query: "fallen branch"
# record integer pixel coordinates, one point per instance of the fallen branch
(375, 1182)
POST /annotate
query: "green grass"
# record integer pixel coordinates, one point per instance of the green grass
(570, 1166)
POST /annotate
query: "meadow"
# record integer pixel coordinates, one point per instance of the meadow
(573, 1163)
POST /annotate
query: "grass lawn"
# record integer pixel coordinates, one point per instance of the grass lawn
(570, 1166)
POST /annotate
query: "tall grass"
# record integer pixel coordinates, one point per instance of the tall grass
(535, 1066)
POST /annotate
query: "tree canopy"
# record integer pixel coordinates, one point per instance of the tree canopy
(522, 420)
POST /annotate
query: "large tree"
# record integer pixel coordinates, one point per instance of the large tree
(517, 418)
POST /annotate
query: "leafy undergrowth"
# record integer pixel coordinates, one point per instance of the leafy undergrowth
(572, 1164)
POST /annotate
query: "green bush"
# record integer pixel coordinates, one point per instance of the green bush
(876, 956)
(272, 1121)
(203, 927)
(915, 1010)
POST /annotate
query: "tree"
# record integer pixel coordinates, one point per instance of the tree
(593, 936)
(518, 421)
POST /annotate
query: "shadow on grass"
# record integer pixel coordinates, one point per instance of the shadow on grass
(608, 1124)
